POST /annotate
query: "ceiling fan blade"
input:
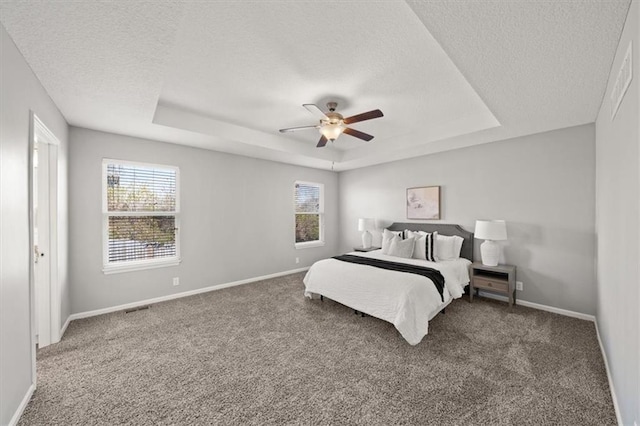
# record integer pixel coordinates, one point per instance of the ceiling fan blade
(357, 134)
(376, 113)
(313, 109)
(295, 129)
(323, 141)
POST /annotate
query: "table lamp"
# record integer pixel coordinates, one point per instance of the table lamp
(490, 231)
(365, 224)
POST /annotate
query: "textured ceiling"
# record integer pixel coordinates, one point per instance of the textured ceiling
(261, 71)
(227, 75)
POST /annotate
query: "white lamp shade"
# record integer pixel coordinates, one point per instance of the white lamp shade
(493, 230)
(331, 131)
(364, 224)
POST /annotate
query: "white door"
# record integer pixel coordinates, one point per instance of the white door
(42, 243)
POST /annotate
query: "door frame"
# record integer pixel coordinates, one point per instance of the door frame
(39, 133)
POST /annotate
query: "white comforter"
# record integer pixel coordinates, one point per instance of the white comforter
(408, 301)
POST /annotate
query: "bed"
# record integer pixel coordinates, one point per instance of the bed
(407, 300)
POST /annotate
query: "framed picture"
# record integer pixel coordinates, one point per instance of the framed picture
(423, 202)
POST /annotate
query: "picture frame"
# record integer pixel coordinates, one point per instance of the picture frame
(423, 203)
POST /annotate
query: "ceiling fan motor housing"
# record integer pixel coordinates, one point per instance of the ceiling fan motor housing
(334, 118)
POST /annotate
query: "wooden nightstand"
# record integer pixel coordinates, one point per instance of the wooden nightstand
(497, 279)
(366, 249)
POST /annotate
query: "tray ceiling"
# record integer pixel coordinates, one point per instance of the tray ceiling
(227, 75)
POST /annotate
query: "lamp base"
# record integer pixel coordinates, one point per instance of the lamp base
(490, 251)
(366, 239)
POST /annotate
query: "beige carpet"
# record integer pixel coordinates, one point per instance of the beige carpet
(263, 354)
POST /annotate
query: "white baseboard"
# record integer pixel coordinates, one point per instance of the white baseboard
(547, 308)
(22, 406)
(606, 366)
(64, 327)
(131, 305)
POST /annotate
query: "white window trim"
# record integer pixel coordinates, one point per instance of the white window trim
(117, 267)
(309, 244)
(136, 265)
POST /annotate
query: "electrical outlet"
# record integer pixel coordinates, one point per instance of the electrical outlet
(297, 260)
(176, 281)
(519, 285)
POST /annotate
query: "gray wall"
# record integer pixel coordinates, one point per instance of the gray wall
(237, 219)
(542, 185)
(22, 92)
(618, 229)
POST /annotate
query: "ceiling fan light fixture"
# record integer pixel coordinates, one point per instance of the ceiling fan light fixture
(331, 131)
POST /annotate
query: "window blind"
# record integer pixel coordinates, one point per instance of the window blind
(137, 188)
(308, 212)
(307, 198)
(140, 212)
(138, 238)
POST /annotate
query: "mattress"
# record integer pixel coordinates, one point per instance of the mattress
(406, 300)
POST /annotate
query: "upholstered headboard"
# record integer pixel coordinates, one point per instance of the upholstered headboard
(441, 228)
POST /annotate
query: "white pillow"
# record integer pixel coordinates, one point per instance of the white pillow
(400, 234)
(402, 248)
(457, 246)
(424, 244)
(387, 237)
(420, 250)
(448, 247)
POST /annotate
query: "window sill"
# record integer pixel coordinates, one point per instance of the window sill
(139, 266)
(309, 244)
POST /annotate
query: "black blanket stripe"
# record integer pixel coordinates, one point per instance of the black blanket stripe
(433, 274)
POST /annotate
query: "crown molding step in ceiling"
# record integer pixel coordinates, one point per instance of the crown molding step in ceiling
(227, 76)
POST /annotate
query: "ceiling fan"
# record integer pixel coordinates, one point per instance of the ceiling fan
(333, 124)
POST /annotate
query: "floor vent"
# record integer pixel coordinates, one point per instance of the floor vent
(623, 80)
(139, 308)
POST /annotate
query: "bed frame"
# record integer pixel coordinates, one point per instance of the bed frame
(441, 228)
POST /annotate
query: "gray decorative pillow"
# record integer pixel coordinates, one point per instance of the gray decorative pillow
(402, 248)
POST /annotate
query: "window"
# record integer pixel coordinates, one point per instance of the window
(141, 215)
(309, 211)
